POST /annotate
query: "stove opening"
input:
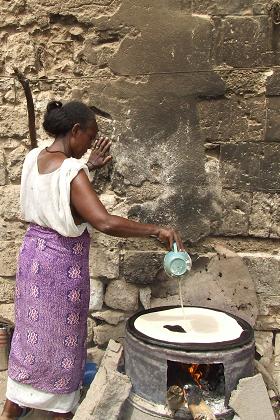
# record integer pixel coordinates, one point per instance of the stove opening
(208, 377)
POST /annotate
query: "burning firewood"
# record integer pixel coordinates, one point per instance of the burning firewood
(196, 405)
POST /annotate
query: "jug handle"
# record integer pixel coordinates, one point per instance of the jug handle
(175, 249)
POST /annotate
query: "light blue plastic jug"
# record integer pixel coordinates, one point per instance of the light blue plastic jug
(177, 263)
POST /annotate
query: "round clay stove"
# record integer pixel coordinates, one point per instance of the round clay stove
(166, 347)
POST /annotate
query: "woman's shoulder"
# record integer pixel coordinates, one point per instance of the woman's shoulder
(31, 156)
(71, 162)
(73, 166)
(33, 153)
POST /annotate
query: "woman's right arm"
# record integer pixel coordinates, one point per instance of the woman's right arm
(87, 204)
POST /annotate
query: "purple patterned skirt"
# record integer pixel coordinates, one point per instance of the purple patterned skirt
(52, 296)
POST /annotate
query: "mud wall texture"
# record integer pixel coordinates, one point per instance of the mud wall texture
(193, 88)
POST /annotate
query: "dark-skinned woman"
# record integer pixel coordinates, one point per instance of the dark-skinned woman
(48, 350)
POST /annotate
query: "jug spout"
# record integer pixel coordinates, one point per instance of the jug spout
(175, 248)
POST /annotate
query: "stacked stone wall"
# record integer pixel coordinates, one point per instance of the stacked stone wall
(193, 88)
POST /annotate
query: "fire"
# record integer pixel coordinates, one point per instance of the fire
(196, 372)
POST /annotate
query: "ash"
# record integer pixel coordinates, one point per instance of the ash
(215, 401)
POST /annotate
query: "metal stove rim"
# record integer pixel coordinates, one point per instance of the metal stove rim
(246, 337)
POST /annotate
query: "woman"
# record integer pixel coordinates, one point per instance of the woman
(48, 349)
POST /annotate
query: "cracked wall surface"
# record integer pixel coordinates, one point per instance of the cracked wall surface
(193, 90)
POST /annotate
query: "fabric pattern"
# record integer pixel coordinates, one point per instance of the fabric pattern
(48, 348)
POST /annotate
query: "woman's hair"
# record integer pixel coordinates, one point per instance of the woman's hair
(59, 119)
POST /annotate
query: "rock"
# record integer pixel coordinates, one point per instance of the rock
(115, 392)
(212, 171)
(121, 295)
(276, 370)
(20, 52)
(236, 208)
(8, 258)
(96, 294)
(10, 96)
(264, 346)
(264, 270)
(141, 267)
(7, 313)
(95, 355)
(7, 290)
(248, 86)
(104, 263)
(76, 30)
(14, 163)
(9, 202)
(90, 325)
(250, 166)
(109, 316)
(228, 7)
(267, 377)
(12, 230)
(2, 169)
(269, 313)
(250, 400)
(273, 84)
(108, 390)
(146, 58)
(103, 333)
(109, 201)
(18, 7)
(239, 114)
(165, 286)
(237, 32)
(13, 120)
(264, 217)
(167, 301)
(10, 143)
(147, 191)
(273, 120)
(145, 297)
(99, 239)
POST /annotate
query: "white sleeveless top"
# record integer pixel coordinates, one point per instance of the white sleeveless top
(45, 198)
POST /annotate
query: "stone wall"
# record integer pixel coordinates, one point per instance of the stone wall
(193, 90)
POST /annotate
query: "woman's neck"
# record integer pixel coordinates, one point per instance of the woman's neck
(61, 144)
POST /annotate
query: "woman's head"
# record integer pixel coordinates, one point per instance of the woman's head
(73, 121)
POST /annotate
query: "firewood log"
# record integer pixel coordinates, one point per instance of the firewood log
(175, 398)
(196, 405)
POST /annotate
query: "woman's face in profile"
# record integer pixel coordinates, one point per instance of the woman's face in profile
(82, 140)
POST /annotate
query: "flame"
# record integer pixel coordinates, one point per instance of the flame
(195, 372)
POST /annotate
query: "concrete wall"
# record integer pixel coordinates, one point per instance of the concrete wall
(193, 88)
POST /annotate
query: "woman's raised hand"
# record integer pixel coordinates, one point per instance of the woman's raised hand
(99, 155)
(170, 236)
